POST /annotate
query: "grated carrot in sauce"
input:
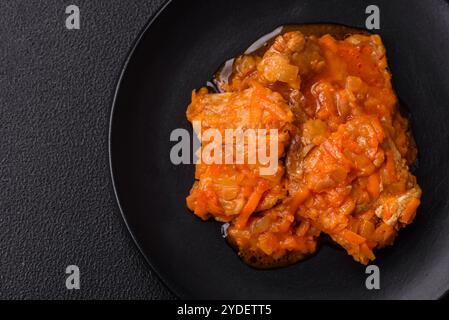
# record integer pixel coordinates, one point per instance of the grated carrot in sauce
(344, 150)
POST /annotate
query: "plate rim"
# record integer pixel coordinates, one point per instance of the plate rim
(118, 84)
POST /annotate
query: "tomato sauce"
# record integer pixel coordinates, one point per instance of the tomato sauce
(345, 148)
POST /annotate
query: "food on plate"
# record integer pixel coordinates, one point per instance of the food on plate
(344, 148)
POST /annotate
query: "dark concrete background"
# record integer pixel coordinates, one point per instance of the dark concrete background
(57, 205)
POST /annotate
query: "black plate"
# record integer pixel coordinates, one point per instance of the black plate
(179, 51)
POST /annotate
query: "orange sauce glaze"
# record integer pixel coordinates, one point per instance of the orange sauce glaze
(344, 147)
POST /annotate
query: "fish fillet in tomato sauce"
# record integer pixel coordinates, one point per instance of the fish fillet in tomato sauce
(344, 148)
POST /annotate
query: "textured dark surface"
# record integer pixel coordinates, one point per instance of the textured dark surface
(181, 49)
(57, 205)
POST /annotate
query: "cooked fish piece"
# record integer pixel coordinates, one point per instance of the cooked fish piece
(401, 194)
(253, 108)
(274, 238)
(226, 189)
(223, 191)
(356, 164)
